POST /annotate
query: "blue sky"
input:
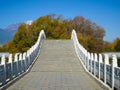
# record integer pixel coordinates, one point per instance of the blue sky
(106, 13)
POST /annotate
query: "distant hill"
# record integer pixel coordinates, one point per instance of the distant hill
(7, 33)
(89, 33)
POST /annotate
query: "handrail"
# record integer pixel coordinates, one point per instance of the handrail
(20, 64)
(106, 73)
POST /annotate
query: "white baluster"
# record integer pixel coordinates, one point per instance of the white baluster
(11, 62)
(107, 59)
(10, 59)
(24, 58)
(16, 57)
(20, 56)
(91, 61)
(85, 57)
(114, 64)
(100, 61)
(16, 60)
(88, 61)
(106, 62)
(95, 60)
(3, 62)
(28, 57)
(115, 61)
(20, 60)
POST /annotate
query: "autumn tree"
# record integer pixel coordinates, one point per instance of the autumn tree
(108, 47)
(21, 41)
(116, 44)
(89, 34)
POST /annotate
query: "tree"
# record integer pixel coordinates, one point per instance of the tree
(90, 35)
(117, 45)
(21, 40)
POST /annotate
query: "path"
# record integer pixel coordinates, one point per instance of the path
(57, 68)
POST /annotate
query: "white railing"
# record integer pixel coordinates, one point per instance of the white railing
(98, 65)
(12, 67)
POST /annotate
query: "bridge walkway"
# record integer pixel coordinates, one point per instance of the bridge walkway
(57, 68)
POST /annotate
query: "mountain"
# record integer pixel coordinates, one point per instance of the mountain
(7, 33)
(4, 36)
(12, 27)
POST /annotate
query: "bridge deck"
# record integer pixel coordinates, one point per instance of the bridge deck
(57, 68)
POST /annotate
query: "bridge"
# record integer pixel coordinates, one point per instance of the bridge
(58, 65)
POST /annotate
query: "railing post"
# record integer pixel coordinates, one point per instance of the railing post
(24, 60)
(95, 60)
(85, 58)
(20, 60)
(100, 61)
(88, 61)
(114, 64)
(115, 61)
(28, 57)
(106, 61)
(3, 62)
(16, 60)
(11, 62)
(91, 62)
